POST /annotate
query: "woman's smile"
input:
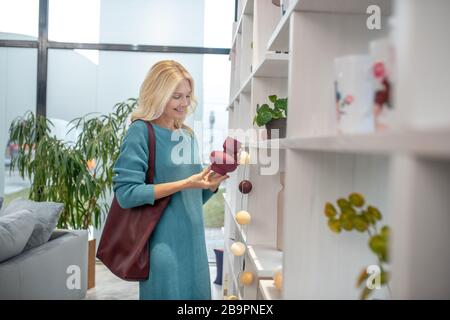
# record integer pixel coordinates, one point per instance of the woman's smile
(180, 110)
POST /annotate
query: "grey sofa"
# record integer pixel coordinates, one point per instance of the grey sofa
(54, 270)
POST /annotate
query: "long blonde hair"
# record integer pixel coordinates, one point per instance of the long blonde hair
(157, 89)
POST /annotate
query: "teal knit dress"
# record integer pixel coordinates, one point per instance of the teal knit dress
(178, 260)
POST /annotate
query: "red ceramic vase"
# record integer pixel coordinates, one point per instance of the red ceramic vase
(223, 162)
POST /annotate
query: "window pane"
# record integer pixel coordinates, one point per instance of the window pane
(153, 22)
(219, 15)
(79, 84)
(216, 84)
(17, 95)
(74, 20)
(17, 23)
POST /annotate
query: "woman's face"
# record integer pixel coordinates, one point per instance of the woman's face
(176, 108)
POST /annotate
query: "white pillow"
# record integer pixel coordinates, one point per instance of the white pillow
(15, 230)
(46, 215)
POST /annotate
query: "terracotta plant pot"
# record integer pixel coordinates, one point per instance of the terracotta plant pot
(279, 124)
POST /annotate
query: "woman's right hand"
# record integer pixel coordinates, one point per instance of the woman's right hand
(201, 181)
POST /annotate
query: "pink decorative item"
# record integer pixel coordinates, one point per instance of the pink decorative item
(382, 59)
(354, 92)
(226, 161)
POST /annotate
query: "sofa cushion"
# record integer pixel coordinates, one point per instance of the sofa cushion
(46, 215)
(15, 230)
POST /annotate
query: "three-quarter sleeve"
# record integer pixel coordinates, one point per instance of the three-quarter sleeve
(207, 194)
(131, 167)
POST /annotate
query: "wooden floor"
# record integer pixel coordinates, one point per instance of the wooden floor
(110, 287)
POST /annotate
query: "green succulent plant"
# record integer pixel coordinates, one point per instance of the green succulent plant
(350, 214)
(265, 113)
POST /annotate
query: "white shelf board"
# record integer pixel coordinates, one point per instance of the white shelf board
(429, 143)
(248, 7)
(343, 6)
(268, 290)
(238, 30)
(280, 37)
(274, 65)
(267, 144)
(245, 88)
(265, 260)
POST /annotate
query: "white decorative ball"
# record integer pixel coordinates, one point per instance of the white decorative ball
(238, 249)
(243, 217)
(244, 157)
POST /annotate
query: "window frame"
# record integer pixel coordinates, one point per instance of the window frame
(43, 45)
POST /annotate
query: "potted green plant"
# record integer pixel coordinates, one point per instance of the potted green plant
(272, 117)
(77, 174)
(351, 215)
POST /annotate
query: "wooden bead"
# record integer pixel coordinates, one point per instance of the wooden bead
(245, 186)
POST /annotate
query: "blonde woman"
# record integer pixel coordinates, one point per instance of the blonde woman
(178, 260)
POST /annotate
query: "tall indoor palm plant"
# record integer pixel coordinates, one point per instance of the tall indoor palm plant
(77, 174)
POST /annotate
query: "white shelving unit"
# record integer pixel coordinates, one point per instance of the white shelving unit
(405, 172)
(264, 260)
(268, 291)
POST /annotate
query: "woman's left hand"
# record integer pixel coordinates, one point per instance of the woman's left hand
(214, 180)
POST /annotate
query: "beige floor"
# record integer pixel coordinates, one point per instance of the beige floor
(110, 287)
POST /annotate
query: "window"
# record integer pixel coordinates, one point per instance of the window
(17, 23)
(149, 22)
(17, 95)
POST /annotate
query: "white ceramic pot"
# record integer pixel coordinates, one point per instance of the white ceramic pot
(354, 93)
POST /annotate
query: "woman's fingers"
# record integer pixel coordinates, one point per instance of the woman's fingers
(223, 178)
(205, 172)
(218, 179)
(210, 175)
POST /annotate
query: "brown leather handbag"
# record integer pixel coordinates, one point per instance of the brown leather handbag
(123, 246)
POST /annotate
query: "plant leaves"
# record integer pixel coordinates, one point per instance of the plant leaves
(58, 170)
